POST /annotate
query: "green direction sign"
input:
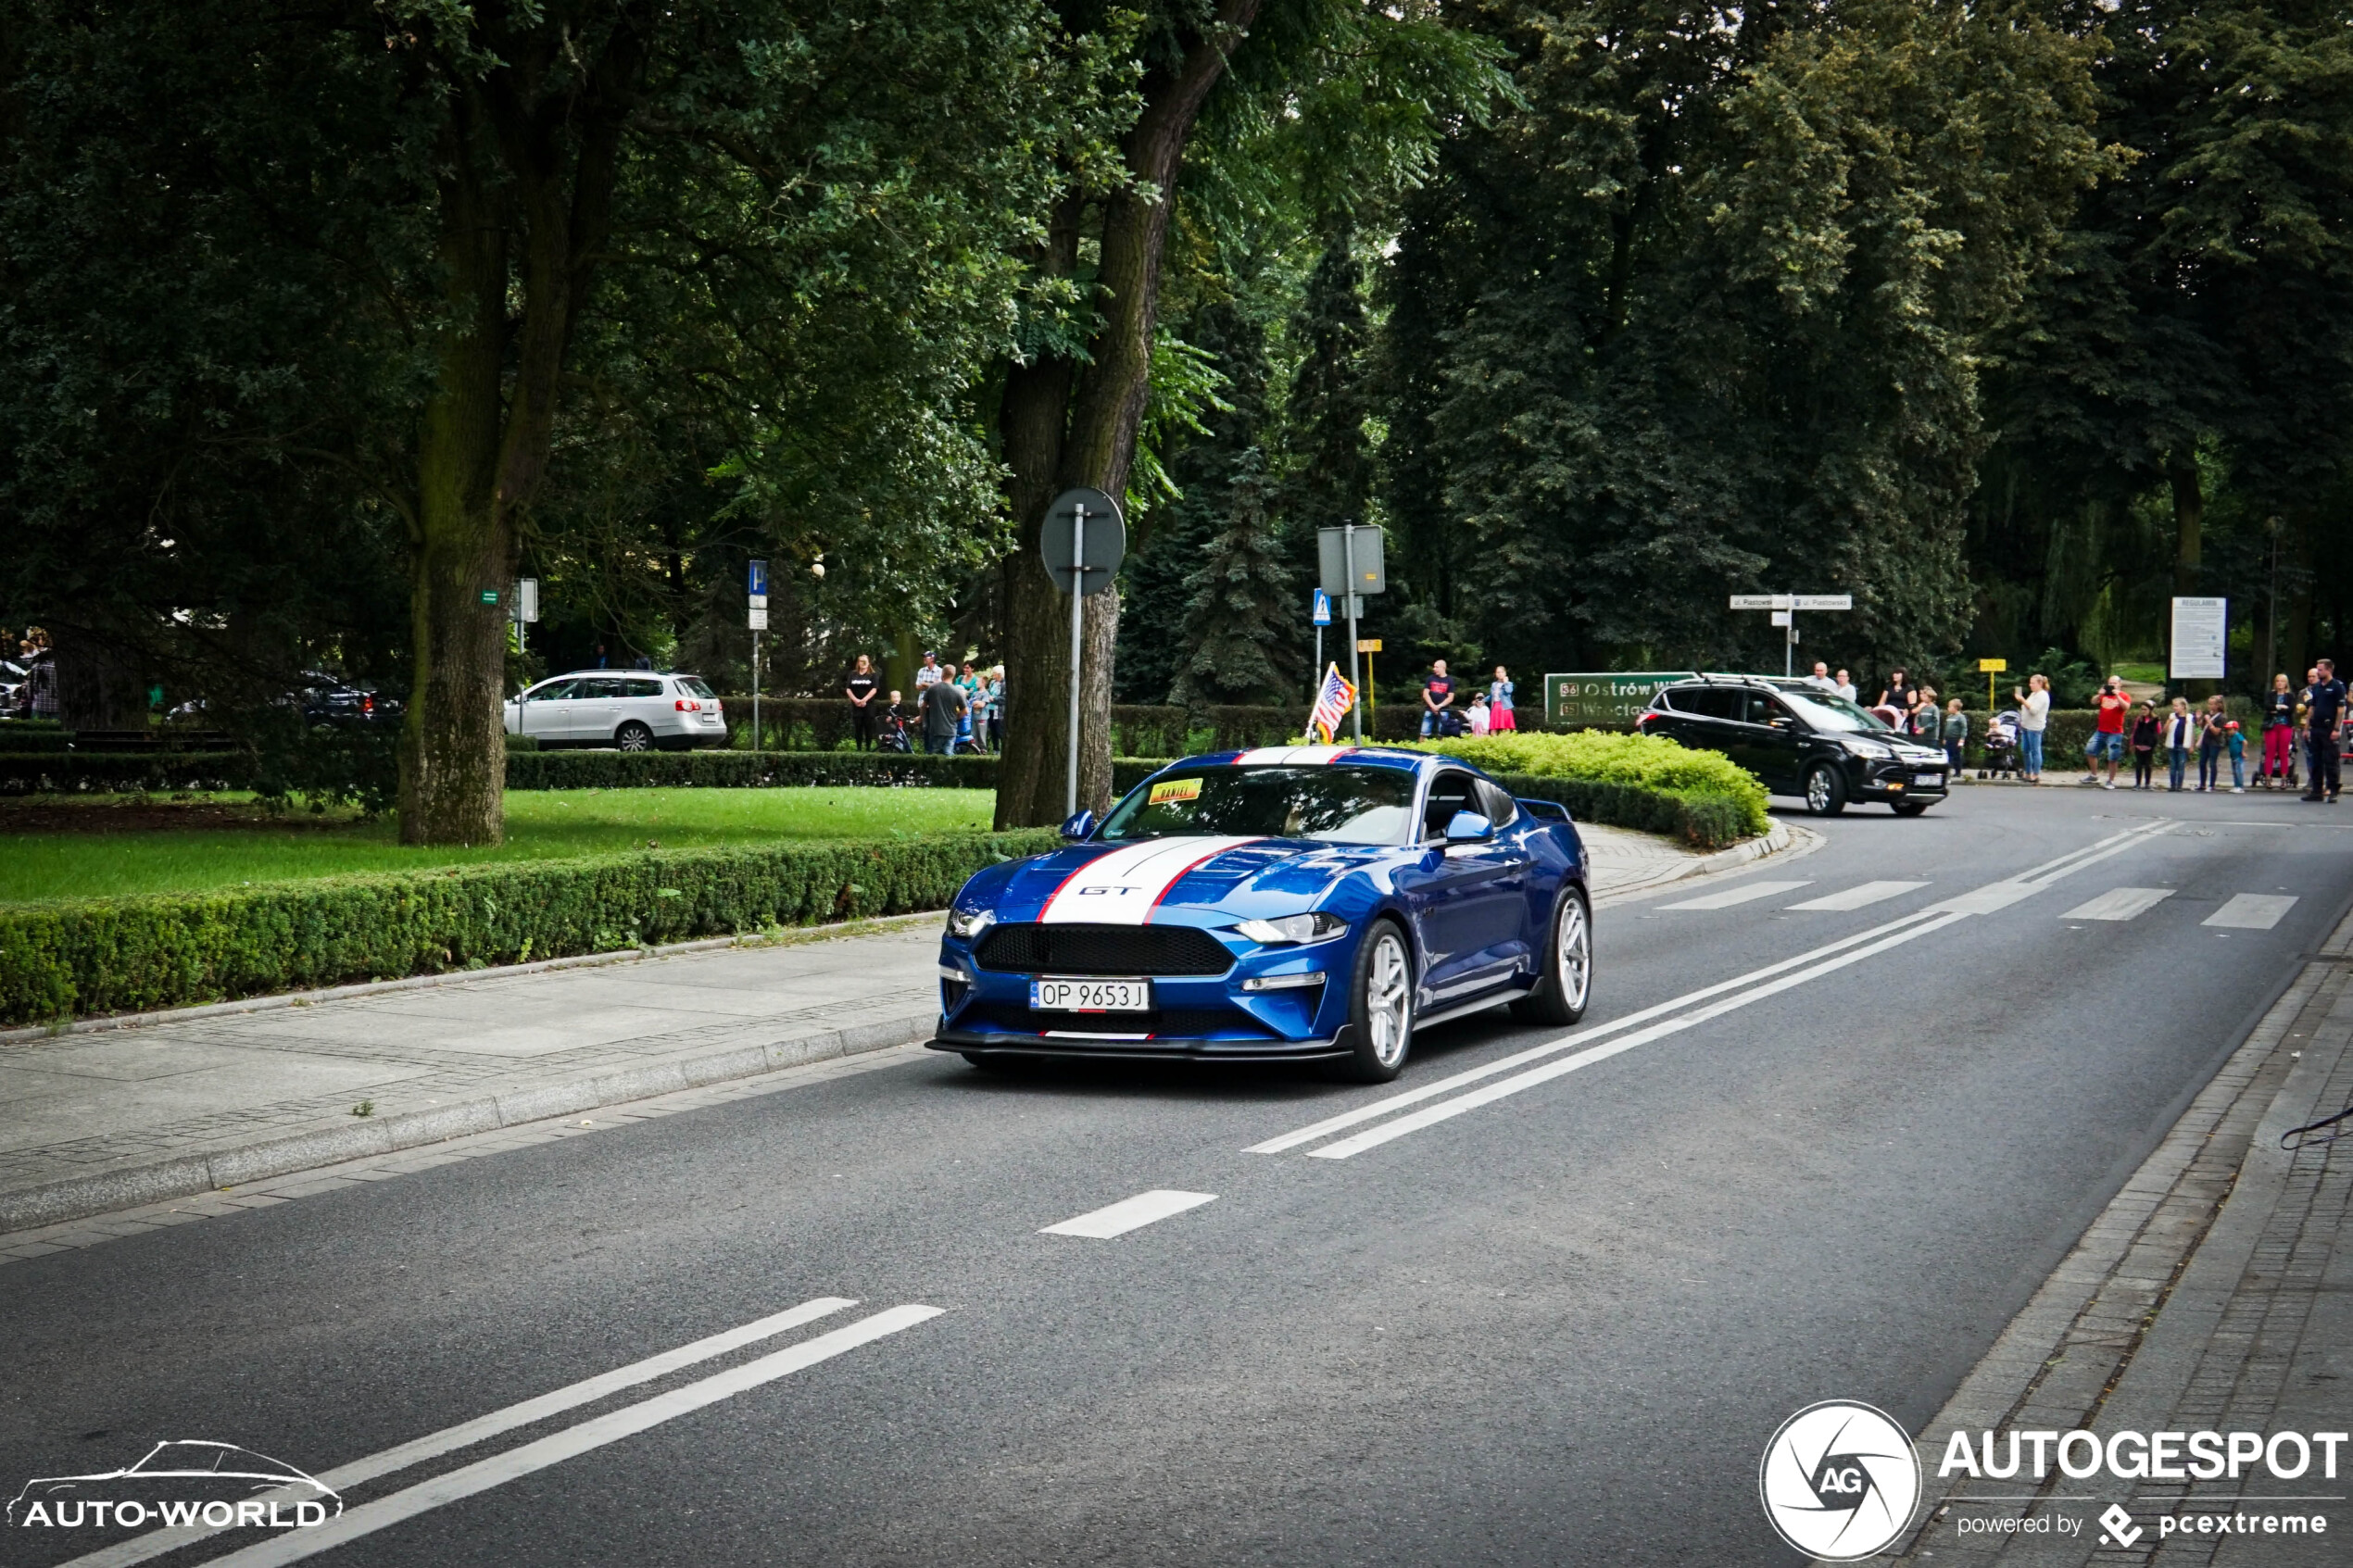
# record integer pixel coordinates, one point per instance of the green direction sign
(1609, 698)
(490, 596)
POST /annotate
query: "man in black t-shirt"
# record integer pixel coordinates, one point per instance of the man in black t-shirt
(2324, 706)
(1438, 695)
(865, 717)
(943, 706)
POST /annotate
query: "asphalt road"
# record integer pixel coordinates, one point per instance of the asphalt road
(1555, 1327)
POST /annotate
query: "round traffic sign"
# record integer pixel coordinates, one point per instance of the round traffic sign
(1100, 543)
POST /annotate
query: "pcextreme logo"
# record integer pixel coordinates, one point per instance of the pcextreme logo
(1840, 1481)
(180, 1484)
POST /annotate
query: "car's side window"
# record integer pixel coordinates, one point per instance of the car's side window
(1706, 702)
(549, 694)
(604, 687)
(1763, 709)
(1449, 793)
(1495, 806)
(643, 688)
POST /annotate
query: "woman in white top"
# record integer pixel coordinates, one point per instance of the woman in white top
(2180, 738)
(2033, 716)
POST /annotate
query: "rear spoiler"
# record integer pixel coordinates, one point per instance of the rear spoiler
(1545, 811)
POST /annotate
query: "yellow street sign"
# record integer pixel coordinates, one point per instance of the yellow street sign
(1368, 645)
(1991, 666)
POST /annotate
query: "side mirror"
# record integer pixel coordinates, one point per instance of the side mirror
(1075, 829)
(1470, 827)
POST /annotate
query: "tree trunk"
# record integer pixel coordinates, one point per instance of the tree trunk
(1063, 425)
(98, 685)
(532, 176)
(2189, 523)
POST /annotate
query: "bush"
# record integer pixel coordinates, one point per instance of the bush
(1713, 794)
(131, 954)
(1704, 822)
(104, 771)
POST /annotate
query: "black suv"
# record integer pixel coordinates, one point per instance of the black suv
(1799, 739)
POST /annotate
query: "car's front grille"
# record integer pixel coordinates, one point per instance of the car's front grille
(1181, 1024)
(1142, 950)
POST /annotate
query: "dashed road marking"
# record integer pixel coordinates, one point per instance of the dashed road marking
(2252, 911)
(1741, 894)
(1130, 1213)
(2120, 903)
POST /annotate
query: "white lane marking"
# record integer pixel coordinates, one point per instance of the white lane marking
(1858, 897)
(1130, 1213)
(571, 1442)
(1991, 897)
(1120, 888)
(1583, 1036)
(2120, 903)
(1414, 1122)
(2252, 911)
(1741, 894)
(154, 1543)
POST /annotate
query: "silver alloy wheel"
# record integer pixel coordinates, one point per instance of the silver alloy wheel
(1817, 790)
(633, 738)
(1575, 956)
(1389, 998)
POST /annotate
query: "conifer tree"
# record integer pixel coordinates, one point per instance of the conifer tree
(1330, 471)
(1237, 618)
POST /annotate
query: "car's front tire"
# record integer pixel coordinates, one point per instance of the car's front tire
(633, 736)
(1380, 1006)
(1565, 980)
(1825, 791)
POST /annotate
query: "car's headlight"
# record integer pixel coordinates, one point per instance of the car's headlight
(1291, 930)
(969, 924)
(1866, 748)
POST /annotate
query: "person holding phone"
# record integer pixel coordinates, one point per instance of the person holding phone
(2107, 745)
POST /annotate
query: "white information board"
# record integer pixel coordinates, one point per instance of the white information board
(2200, 628)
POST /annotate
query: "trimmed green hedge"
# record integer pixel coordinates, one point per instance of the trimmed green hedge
(1657, 785)
(1704, 822)
(768, 769)
(132, 954)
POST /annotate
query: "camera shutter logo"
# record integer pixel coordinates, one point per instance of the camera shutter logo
(1840, 1481)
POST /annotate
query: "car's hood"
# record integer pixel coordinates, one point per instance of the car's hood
(1131, 884)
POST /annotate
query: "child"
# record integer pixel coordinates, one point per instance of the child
(1500, 715)
(2236, 741)
(1956, 734)
(2145, 732)
(1479, 717)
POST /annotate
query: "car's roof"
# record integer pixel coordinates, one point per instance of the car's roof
(657, 674)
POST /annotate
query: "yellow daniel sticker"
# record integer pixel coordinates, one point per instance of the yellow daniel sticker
(1176, 789)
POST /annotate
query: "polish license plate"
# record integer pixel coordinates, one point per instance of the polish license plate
(1933, 781)
(1091, 996)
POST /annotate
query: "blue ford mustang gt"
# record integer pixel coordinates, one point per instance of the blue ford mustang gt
(1292, 903)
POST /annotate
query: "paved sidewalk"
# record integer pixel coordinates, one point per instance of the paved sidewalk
(2215, 1293)
(109, 1117)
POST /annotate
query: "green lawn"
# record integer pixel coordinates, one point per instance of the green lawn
(133, 848)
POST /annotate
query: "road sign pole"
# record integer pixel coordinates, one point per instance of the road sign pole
(1316, 683)
(1077, 620)
(755, 691)
(1348, 551)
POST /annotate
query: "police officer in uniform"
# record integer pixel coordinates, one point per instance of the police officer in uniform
(2324, 704)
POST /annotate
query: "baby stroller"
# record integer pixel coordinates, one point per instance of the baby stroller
(2001, 747)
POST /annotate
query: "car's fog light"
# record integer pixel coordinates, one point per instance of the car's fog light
(1284, 982)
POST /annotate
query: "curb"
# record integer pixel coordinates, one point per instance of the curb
(461, 977)
(78, 1197)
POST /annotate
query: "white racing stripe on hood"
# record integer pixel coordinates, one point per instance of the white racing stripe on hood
(1293, 756)
(1120, 888)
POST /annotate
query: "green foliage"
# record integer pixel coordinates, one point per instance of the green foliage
(1650, 762)
(73, 772)
(1242, 605)
(122, 955)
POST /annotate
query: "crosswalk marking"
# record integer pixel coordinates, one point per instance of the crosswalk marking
(2120, 903)
(1739, 895)
(1857, 898)
(2252, 911)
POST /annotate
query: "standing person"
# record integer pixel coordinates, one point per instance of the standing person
(930, 673)
(942, 706)
(1844, 685)
(1478, 716)
(2209, 744)
(2145, 730)
(2279, 735)
(997, 707)
(2325, 704)
(2235, 741)
(1898, 694)
(865, 719)
(1955, 732)
(1822, 677)
(2108, 741)
(2181, 730)
(1501, 719)
(2034, 717)
(976, 696)
(1438, 695)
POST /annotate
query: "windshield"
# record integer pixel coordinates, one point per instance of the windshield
(1830, 712)
(1339, 805)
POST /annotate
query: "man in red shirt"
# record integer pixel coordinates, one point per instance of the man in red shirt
(2108, 740)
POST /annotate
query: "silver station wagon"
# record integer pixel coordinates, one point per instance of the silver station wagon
(630, 709)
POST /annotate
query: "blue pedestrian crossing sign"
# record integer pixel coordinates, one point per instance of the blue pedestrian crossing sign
(1323, 607)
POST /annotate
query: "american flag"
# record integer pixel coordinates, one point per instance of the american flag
(1331, 704)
